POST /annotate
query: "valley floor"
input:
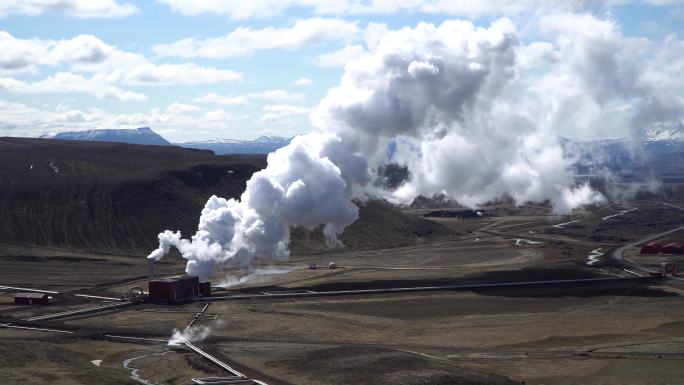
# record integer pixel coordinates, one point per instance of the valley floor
(618, 333)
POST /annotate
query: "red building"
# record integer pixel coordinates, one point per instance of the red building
(673, 248)
(205, 289)
(31, 299)
(651, 248)
(174, 289)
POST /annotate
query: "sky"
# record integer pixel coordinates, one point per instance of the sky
(209, 69)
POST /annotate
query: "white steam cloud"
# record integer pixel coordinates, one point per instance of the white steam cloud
(193, 334)
(452, 103)
(252, 276)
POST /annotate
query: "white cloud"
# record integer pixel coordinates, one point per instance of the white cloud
(65, 82)
(75, 8)
(180, 121)
(282, 95)
(214, 98)
(596, 68)
(275, 112)
(180, 108)
(170, 74)
(340, 57)
(217, 118)
(18, 119)
(246, 41)
(302, 82)
(267, 8)
(472, 9)
(29, 54)
(235, 100)
(87, 53)
(252, 9)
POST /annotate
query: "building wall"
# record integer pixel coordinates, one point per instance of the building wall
(174, 291)
(31, 300)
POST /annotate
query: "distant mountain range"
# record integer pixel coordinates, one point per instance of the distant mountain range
(145, 135)
(142, 135)
(658, 152)
(261, 145)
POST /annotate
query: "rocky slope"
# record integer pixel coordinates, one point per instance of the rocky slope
(116, 198)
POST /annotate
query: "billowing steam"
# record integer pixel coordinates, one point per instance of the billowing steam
(193, 334)
(252, 276)
(451, 103)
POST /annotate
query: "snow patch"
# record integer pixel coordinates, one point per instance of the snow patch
(562, 225)
(520, 241)
(594, 257)
(623, 212)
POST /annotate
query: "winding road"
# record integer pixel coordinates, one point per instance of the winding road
(618, 254)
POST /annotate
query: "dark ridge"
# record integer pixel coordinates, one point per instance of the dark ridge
(109, 197)
(115, 198)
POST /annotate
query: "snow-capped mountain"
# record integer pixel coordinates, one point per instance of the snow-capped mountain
(664, 131)
(659, 150)
(142, 135)
(261, 145)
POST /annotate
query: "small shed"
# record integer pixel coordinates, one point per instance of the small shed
(673, 248)
(31, 299)
(651, 248)
(174, 289)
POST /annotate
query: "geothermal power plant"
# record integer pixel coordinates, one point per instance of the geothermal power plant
(348, 192)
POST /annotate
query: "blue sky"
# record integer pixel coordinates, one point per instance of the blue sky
(131, 71)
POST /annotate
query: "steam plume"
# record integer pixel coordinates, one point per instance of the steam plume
(452, 103)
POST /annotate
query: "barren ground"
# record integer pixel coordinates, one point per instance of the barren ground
(571, 335)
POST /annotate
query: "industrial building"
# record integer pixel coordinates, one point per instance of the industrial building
(651, 248)
(205, 289)
(174, 289)
(179, 288)
(31, 299)
(673, 248)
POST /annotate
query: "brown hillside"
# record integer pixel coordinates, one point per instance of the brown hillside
(108, 197)
(116, 198)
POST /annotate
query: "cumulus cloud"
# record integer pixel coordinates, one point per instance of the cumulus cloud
(473, 9)
(277, 94)
(245, 10)
(217, 118)
(108, 65)
(169, 74)
(29, 54)
(340, 57)
(89, 54)
(267, 8)
(246, 41)
(76, 8)
(275, 112)
(64, 82)
(234, 100)
(221, 100)
(303, 82)
(182, 108)
(19, 119)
